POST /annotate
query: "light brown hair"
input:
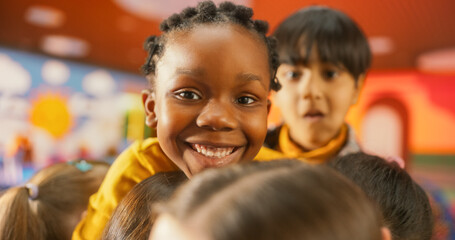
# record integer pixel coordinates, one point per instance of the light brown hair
(132, 218)
(63, 193)
(275, 200)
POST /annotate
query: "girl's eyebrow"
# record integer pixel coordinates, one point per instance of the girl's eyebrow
(248, 77)
(192, 72)
(243, 77)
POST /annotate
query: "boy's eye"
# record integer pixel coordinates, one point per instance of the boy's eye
(245, 100)
(330, 74)
(293, 75)
(190, 95)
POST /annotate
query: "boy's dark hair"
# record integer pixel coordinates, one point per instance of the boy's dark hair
(404, 205)
(207, 13)
(336, 38)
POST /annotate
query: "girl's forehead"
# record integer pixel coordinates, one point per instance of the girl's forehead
(214, 51)
(217, 32)
(221, 43)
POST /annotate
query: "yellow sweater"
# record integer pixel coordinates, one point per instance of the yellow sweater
(140, 161)
(316, 156)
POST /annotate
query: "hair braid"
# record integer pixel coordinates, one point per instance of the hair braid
(207, 12)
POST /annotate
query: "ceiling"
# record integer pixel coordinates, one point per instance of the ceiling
(110, 33)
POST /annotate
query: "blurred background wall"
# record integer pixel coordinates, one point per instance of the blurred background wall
(70, 81)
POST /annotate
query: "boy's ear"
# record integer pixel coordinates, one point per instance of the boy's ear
(358, 88)
(269, 106)
(148, 100)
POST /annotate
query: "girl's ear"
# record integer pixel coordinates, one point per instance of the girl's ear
(148, 100)
(358, 88)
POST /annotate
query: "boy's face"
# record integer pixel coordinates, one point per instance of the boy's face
(209, 103)
(314, 100)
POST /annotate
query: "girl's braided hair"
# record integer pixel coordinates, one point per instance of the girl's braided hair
(207, 12)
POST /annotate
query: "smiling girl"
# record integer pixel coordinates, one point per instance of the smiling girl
(210, 75)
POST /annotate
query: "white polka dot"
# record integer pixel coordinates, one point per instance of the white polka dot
(14, 79)
(55, 72)
(99, 83)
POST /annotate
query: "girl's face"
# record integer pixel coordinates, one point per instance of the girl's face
(209, 103)
(314, 100)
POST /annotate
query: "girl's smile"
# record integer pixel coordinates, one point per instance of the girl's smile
(209, 156)
(210, 98)
(211, 151)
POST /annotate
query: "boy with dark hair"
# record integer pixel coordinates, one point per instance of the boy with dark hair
(324, 57)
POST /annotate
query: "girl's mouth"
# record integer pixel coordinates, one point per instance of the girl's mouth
(211, 151)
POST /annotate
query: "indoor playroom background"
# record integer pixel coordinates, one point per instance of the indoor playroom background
(70, 81)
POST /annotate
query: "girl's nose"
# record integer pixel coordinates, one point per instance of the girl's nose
(217, 116)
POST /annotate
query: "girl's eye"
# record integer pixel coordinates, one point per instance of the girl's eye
(245, 100)
(189, 95)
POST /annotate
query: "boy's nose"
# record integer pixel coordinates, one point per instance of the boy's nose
(309, 86)
(217, 116)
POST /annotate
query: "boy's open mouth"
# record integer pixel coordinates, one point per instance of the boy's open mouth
(313, 114)
(211, 151)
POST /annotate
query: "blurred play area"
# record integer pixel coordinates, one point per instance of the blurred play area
(70, 82)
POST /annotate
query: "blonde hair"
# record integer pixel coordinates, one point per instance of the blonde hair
(54, 207)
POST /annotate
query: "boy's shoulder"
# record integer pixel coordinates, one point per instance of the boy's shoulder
(351, 145)
(272, 137)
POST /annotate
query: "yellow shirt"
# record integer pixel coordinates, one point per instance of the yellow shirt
(291, 150)
(140, 161)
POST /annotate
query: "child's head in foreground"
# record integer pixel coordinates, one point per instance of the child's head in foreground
(210, 73)
(52, 202)
(404, 205)
(132, 219)
(268, 200)
(324, 57)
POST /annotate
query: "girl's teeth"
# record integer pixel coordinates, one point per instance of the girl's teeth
(212, 151)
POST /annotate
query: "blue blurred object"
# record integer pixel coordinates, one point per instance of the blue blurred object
(82, 165)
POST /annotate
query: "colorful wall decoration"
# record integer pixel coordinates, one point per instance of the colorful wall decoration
(56, 110)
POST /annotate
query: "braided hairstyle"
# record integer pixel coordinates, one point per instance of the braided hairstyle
(206, 13)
